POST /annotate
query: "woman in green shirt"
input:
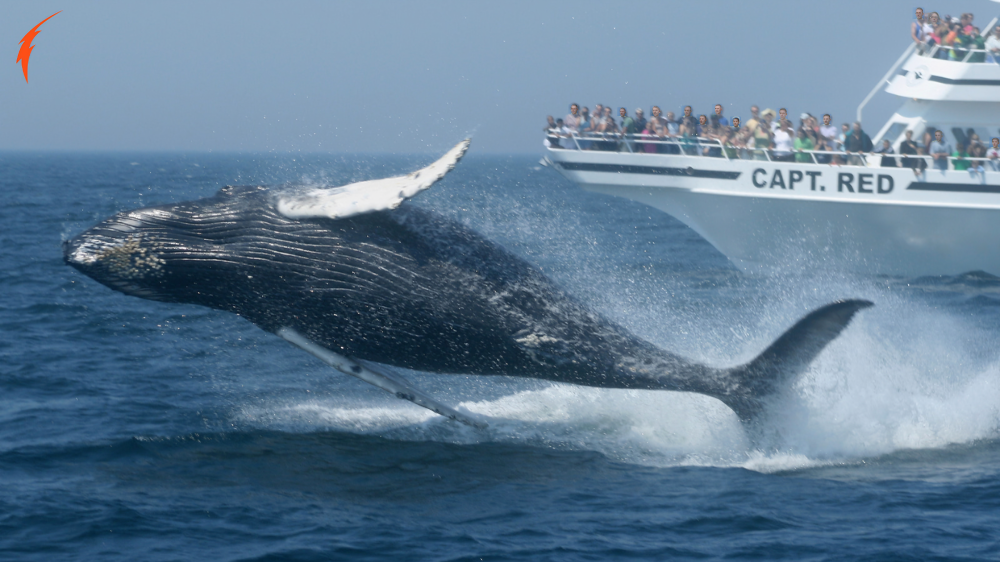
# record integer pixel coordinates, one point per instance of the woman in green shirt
(960, 161)
(803, 142)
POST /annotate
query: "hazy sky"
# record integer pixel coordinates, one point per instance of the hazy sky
(419, 76)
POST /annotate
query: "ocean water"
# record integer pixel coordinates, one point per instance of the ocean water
(136, 430)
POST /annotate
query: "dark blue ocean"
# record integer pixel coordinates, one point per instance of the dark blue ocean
(137, 430)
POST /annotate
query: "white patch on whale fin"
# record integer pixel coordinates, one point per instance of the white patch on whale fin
(390, 383)
(368, 196)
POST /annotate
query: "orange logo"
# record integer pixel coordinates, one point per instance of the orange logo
(25, 51)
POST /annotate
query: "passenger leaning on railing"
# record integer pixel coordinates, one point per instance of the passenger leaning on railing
(715, 133)
(994, 154)
(572, 119)
(673, 131)
(583, 128)
(939, 37)
(992, 45)
(960, 157)
(803, 142)
(976, 148)
(978, 43)
(687, 139)
(552, 132)
(640, 119)
(596, 118)
(609, 128)
(656, 115)
(917, 28)
(650, 133)
(928, 28)
(827, 138)
(977, 153)
(783, 143)
(933, 20)
(928, 138)
(885, 150)
(628, 124)
(909, 147)
(967, 39)
(688, 120)
(823, 145)
(762, 135)
(940, 151)
(857, 142)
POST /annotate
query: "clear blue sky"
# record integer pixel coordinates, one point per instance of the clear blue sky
(419, 76)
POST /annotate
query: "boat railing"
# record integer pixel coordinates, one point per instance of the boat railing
(695, 146)
(714, 148)
(990, 164)
(961, 54)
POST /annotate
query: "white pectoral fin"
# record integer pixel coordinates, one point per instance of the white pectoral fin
(390, 383)
(368, 196)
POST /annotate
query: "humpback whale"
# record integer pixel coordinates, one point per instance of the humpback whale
(356, 278)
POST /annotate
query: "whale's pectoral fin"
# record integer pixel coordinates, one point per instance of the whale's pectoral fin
(368, 196)
(788, 357)
(391, 383)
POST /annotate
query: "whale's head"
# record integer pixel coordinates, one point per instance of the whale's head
(249, 244)
(187, 252)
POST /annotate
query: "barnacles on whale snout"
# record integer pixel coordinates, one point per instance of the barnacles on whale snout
(132, 259)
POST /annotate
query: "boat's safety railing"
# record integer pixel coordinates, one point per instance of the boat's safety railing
(962, 54)
(698, 146)
(714, 148)
(975, 162)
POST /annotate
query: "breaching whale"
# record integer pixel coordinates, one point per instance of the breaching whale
(349, 274)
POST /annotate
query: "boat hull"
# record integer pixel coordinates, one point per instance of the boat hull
(765, 215)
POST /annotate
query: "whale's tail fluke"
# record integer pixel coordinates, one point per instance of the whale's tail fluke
(788, 357)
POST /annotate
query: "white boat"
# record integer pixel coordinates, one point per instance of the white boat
(762, 213)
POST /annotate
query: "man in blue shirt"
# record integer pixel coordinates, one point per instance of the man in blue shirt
(917, 27)
(718, 113)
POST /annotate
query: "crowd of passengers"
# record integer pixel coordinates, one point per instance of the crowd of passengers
(955, 38)
(764, 131)
(770, 135)
(707, 135)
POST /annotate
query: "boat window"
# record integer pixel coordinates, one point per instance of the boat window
(894, 131)
(962, 134)
(986, 134)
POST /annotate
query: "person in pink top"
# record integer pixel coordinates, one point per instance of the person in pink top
(649, 132)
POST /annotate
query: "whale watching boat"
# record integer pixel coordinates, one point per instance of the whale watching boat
(856, 216)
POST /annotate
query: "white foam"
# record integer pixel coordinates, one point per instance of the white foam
(904, 376)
